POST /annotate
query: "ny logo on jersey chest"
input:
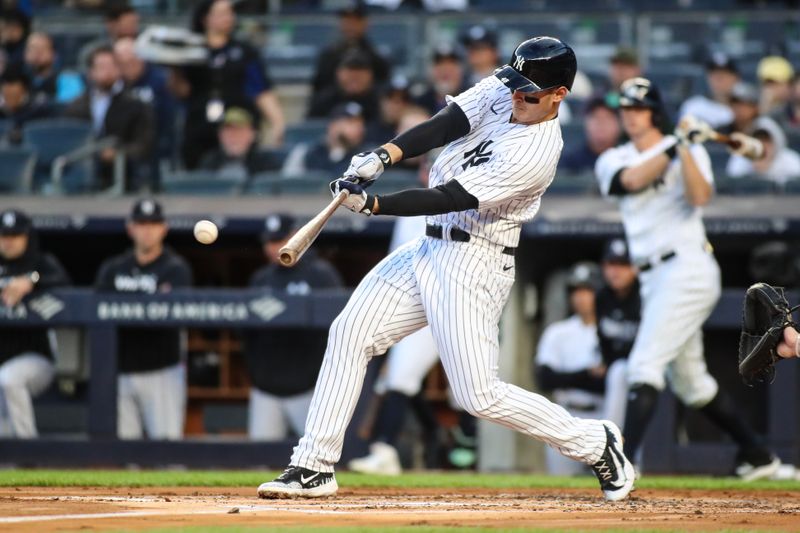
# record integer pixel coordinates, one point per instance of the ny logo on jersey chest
(477, 156)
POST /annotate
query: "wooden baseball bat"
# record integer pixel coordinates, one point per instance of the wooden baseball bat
(757, 151)
(305, 236)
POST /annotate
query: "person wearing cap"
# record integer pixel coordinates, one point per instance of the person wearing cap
(283, 363)
(238, 156)
(775, 74)
(116, 114)
(16, 104)
(601, 130)
(722, 75)
(618, 315)
(623, 65)
(568, 362)
(344, 137)
(445, 78)
(483, 57)
(26, 353)
(790, 117)
(353, 25)
(395, 100)
(779, 163)
(744, 104)
(355, 82)
(234, 75)
(151, 384)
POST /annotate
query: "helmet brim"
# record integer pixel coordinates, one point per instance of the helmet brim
(516, 81)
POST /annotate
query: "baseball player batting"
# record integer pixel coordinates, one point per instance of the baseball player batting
(503, 142)
(661, 182)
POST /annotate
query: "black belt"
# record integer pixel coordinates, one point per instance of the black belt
(647, 265)
(458, 235)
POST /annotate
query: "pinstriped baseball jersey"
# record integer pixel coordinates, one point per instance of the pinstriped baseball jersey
(506, 166)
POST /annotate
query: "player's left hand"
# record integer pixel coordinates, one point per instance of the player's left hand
(365, 167)
(692, 130)
(357, 201)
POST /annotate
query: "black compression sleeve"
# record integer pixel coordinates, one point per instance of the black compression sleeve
(549, 379)
(616, 188)
(447, 198)
(447, 125)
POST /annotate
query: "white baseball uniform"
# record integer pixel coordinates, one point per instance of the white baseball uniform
(570, 345)
(459, 288)
(679, 292)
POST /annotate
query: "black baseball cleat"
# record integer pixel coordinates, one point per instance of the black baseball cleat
(297, 482)
(615, 472)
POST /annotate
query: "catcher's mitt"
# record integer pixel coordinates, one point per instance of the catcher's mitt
(766, 313)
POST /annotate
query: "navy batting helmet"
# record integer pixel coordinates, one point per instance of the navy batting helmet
(538, 64)
(640, 92)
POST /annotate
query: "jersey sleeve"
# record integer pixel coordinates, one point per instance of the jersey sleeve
(703, 161)
(606, 167)
(513, 172)
(476, 101)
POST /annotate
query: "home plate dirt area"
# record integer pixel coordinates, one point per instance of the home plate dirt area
(100, 509)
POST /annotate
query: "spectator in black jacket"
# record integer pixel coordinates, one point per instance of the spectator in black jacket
(151, 386)
(446, 77)
(355, 82)
(238, 156)
(353, 23)
(49, 83)
(283, 364)
(26, 353)
(15, 26)
(17, 105)
(115, 113)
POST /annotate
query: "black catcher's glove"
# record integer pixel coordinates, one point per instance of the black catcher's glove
(766, 313)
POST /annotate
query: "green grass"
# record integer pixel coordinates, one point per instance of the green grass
(448, 480)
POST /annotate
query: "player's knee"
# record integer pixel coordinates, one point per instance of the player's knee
(697, 393)
(642, 375)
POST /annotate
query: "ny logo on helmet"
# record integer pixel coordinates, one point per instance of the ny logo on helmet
(518, 63)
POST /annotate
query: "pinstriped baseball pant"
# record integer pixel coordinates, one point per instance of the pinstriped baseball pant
(459, 289)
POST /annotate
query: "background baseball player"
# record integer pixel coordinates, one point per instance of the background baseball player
(26, 353)
(660, 182)
(151, 387)
(569, 363)
(504, 144)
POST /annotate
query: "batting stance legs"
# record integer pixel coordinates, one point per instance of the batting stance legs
(460, 289)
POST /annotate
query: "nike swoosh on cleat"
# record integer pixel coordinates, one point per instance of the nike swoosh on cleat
(508, 268)
(305, 480)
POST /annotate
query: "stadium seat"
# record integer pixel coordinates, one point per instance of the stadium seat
(199, 183)
(308, 131)
(573, 184)
(270, 183)
(52, 138)
(17, 165)
(5, 125)
(792, 187)
(394, 180)
(744, 185)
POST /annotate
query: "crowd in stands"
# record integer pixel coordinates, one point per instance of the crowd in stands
(224, 115)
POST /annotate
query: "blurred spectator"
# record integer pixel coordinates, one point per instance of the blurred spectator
(395, 99)
(568, 361)
(234, 76)
(482, 54)
(602, 130)
(428, 5)
(623, 65)
(283, 363)
(115, 113)
(355, 82)
(121, 21)
(353, 24)
(413, 116)
(237, 156)
(26, 353)
(148, 84)
(151, 384)
(744, 103)
(48, 83)
(14, 29)
(618, 316)
(790, 118)
(775, 74)
(446, 77)
(779, 164)
(344, 138)
(721, 76)
(16, 105)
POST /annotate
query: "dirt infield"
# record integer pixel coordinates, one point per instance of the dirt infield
(98, 509)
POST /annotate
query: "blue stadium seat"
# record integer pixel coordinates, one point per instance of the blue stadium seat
(271, 183)
(573, 184)
(394, 180)
(744, 185)
(199, 183)
(17, 166)
(792, 187)
(308, 131)
(52, 138)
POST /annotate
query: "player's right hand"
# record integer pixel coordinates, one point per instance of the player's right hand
(357, 201)
(749, 147)
(365, 167)
(692, 130)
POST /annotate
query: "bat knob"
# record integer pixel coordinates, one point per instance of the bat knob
(287, 257)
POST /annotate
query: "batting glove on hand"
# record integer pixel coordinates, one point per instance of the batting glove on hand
(749, 147)
(357, 201)
(364, 168)
(691, 130)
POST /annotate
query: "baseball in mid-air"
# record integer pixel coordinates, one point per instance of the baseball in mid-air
(205, 231)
